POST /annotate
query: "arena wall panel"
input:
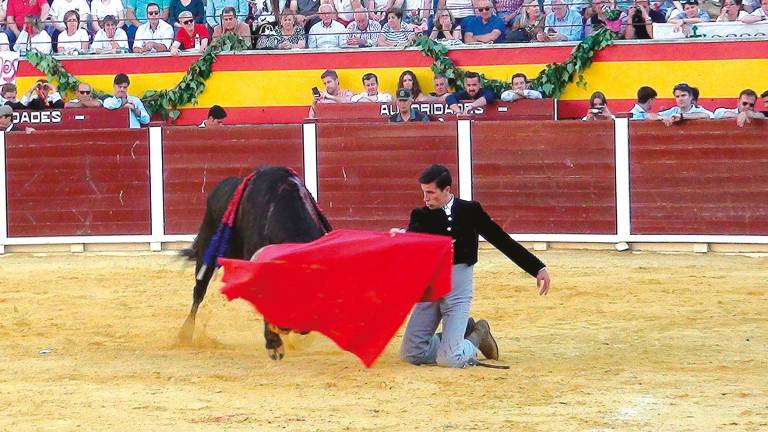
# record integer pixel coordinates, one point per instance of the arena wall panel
(368, 172)
(703, 177)
(546, 176)
(78, 183)
(195, 160)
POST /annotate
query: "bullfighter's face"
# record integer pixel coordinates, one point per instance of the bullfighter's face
(434, 197)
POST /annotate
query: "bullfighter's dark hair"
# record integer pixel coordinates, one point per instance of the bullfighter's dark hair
(438, 174)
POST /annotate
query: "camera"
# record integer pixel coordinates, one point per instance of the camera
(315, 91)
(596, 110)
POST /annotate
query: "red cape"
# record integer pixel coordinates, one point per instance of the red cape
(356, 287)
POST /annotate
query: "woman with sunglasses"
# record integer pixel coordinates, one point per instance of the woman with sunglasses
(73, 39)
(190, 36)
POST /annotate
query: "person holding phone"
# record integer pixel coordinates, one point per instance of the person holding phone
(598, 108)
(332, 94)
(562, 24)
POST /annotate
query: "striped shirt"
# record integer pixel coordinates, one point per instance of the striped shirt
(396, 35)
(370, 35)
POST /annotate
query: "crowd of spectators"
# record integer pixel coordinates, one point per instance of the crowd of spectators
(71, 27)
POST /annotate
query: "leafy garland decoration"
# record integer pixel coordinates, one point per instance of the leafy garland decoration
(551, 81)
(165, 102)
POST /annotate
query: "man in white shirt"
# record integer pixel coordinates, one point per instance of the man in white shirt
(685, 109)
(644, 105)
(371, 93)
(110, 39)
(519, 89)
(155, 35)
(328, 33)
(744, 111)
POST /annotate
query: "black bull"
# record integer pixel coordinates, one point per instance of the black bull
(275, 208)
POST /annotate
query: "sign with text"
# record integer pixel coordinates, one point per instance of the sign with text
(710, 30)
(10, 64)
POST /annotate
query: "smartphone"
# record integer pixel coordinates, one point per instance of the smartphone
(315, 92)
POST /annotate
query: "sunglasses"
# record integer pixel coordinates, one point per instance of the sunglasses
(7, 115)
(157, 12)
(185, 22)
(752, 105)
(483, 9)
(84, 91)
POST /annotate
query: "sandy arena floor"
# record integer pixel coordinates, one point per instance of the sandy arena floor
(628, 342)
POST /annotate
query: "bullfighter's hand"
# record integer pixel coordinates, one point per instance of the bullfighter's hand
(543, 281)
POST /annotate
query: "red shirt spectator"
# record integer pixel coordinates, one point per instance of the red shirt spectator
(186, 40)
(18, 9)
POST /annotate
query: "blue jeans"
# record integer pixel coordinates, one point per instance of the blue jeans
(420, 343)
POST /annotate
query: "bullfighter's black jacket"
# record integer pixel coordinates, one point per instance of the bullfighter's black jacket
(467, 221)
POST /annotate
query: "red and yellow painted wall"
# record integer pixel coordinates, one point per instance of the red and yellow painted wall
(274, 87)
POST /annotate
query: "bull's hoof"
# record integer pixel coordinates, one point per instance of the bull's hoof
(276, 353)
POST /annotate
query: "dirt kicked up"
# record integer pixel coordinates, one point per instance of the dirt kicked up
(624, 342)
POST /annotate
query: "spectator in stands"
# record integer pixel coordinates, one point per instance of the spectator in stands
(528, 25)
(416, 14)
(395, 33)
(137, 115)
(16, 15)
(638, 20)
(598, 108)
(602, 14)
(362, 32)
(744, 111)
(371, 93)
(405, 110)
(8, 96)
(483, 27)
(155, 35)
(445, 28)
(38, 39)
(306, 11)
(42, 95)
(764, 97)
(562, 24)
(685, 109)
(110, 39)
(73, 39)
(441, 88)
(195, 7)
(519, 89)
(137, 14)
(759, 14)
(214, 9)
(691, 14)
(289, 35)
(644, 106)
(460, 9)
(100, 9)
(378, 9)
(473, 93)
(57, 18)
(230, 24)
(216, 116)
(85, 98)
(191, 37)
(507, 10)
(409, 82)
(732, 10)
(328, 33)
(346, 10)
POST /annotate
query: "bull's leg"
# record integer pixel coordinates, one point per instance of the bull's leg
(201, 287)
(274, 344)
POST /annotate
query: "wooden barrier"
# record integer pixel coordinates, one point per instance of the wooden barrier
(81, 182)
(72, 118)
(546, 176)
(702, 177)
(195, 160)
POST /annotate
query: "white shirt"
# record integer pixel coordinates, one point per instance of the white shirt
(99, 10)
(460, 8)
(52, 97)
(447, 208)
(759, 12)
(720, 112)
(511, 95)
(4, 40)
(60, 7)
(381, 97)
(102, 43)
(332, 36)
(163, 34)
(40, 42)
(74, 42)
(345, 10)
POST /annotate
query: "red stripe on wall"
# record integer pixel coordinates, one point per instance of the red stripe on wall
(687, 50)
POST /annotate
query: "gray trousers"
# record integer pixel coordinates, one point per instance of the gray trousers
(420, 343)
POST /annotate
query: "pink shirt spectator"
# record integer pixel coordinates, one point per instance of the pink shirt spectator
(18, 9)
(342, 93)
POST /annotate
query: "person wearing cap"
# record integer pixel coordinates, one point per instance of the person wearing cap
(405, 110)
(216, 116)
(110, 39)
(685, 109)
(691, 14)
(190, 36)
(6, 119)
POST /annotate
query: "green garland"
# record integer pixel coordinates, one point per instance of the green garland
(165, 102)
(551, 81)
